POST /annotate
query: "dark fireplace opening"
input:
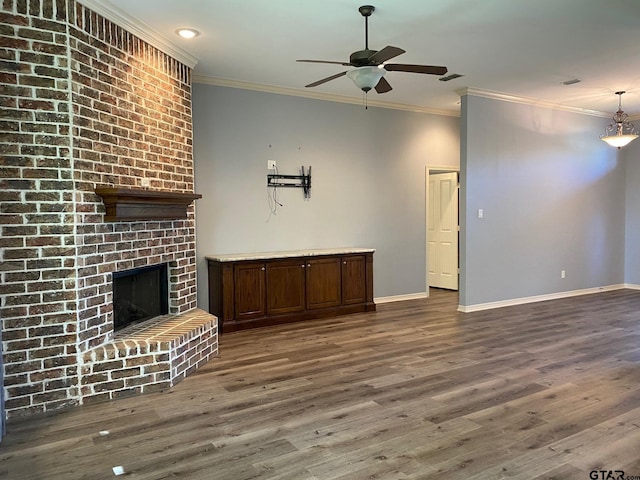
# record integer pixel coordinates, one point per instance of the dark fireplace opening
(139, 294)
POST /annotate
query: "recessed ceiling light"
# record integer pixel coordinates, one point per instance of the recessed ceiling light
(187, 32)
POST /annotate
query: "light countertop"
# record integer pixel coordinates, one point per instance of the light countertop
(237, 257)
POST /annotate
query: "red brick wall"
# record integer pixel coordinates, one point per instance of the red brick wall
(87, 104)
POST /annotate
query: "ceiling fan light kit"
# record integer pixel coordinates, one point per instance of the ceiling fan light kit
(366, 78)
(620, 131)
(370, 65)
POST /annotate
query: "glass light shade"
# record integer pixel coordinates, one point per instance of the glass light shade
(619, 140)
(366, 78)
(624, 130)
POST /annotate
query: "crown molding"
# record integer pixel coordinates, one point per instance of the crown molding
(259, 87)
(477, 92)
(140, 30)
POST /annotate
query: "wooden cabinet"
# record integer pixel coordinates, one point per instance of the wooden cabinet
(285, 286)
(249, 290)
(354, 279)
(255, 292)
(323, 283)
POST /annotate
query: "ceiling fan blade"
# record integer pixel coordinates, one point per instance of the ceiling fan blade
(383, 86)
(325, 80)
(387, 53)
(403, 67)
(346, 64)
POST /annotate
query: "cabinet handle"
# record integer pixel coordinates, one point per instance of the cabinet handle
(308, 264)
(344, 263)
(302, 265)
(263, 269)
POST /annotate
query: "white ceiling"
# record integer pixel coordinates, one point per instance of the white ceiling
(522, 48)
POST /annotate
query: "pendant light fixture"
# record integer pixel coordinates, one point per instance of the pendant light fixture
(620, 131)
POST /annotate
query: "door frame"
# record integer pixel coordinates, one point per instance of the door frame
(429, 169)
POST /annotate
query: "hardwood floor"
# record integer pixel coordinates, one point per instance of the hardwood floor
(415, 390)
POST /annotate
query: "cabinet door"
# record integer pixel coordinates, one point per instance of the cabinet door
(249, 299)
(323, 283)
(354, 284)
(285, 286)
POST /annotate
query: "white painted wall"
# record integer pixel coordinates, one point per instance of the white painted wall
(368, 179)
(553, 197)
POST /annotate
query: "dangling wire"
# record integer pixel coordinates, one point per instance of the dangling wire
(272, 198)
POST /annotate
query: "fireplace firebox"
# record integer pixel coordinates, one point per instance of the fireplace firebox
(139, 294)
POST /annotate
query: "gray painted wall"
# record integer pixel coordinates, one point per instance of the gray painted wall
(631, 155)
(553, 196)
(368, 179)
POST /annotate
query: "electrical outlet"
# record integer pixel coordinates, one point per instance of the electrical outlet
(563, 274)
(145, 182)
(271, 164)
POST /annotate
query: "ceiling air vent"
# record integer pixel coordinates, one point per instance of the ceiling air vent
(453, 76)
(571, 82)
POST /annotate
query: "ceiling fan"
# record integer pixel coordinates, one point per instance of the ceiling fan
(370, 65)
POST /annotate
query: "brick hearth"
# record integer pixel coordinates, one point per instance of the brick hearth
(87, 104)
(150, 356)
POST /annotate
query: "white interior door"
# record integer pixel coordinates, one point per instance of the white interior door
(443, 230)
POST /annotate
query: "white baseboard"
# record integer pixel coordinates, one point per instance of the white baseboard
(400, 298)
(541, 298)
(632, 286)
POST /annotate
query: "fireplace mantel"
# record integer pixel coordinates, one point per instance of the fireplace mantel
(124, 204)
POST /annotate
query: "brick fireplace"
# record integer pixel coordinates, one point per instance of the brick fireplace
(87, 105)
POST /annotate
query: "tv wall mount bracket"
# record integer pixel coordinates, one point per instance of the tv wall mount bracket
(292, 181)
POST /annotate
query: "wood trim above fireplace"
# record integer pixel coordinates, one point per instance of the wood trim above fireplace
(122, 204)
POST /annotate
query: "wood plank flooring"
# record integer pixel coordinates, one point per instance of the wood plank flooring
(416, 390)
